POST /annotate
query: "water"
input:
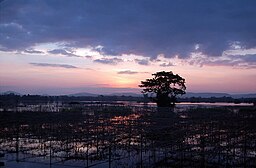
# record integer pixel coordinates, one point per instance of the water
(130, 134)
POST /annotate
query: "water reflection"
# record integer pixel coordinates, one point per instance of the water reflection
(130, 136)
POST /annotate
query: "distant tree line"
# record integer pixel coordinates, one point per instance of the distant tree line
(12, 100)
(223, 99)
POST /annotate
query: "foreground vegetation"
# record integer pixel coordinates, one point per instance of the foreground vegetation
(123, 136)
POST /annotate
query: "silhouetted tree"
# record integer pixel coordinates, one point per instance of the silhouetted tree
(166, 86)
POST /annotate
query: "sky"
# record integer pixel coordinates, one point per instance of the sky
(98, 46)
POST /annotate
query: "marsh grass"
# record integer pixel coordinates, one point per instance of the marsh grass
(132, 136)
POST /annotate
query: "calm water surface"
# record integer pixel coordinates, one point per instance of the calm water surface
(131, 134)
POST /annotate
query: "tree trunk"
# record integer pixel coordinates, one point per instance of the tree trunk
(163, 100)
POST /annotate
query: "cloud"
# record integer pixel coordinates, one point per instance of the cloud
(105, 51)
(110, 61)
(62, 52)
(142, 61)
(54, 65)
(31, 51)
(145, 27)
(88, 57)
(167, 64)
(129, 72)
(247, 61)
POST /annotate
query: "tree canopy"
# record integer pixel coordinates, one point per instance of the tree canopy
(166, 86)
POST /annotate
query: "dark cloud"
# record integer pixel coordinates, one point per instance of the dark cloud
(110, 61)
(129, 72)
(166, 64)
(237, 61)
(54, 65)
(31, 51)
(142, 61)
(106, 51)
(88, 57)
(144, 27)
(251, 58)
(62, 52)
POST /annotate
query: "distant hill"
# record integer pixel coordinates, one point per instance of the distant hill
(191, 94)
(126, 94)
(83, 94)
(253, 95)
(205, 95)
(112, 94)
(209, 95)
(10, 92)
(187, 95)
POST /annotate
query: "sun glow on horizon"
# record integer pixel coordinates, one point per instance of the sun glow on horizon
(121, 82)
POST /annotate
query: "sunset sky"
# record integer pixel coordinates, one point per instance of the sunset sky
(105, 46)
